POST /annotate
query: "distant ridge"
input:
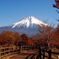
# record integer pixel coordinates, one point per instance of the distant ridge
(27, 25)
(28, 21)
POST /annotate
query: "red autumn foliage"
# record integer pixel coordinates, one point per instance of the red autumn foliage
(46, 37)
(27, 40)
(56, 5)
(55, 37)
(54, 44)
(30, 42)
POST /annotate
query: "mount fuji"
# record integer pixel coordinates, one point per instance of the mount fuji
(27, 25)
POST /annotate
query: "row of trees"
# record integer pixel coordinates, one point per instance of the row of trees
(14, 38)
(52, 36)
(48, 36)
(8, 37)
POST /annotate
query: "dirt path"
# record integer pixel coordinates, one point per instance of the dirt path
(18, 57)
(23, 55)
(8, 56)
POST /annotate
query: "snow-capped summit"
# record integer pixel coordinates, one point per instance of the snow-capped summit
(28, 21)
(27, 25)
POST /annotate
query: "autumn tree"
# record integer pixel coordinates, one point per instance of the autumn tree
(45, 35)
(55, 37)
(8, 37)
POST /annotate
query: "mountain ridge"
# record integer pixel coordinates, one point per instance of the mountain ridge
(30, 20)
(27, 25)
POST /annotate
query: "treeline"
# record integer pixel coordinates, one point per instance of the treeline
(14, 38)
(47, 36)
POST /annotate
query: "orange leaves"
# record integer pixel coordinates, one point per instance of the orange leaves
(46, 36)
(9, 37)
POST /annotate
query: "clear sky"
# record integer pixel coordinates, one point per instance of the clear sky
(13, 10)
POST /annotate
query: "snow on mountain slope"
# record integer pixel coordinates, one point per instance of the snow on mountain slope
(28, 25)
(29, 21)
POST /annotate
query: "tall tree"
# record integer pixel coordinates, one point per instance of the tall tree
(45, 35)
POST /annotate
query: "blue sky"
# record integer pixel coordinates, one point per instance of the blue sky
(13, 10)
